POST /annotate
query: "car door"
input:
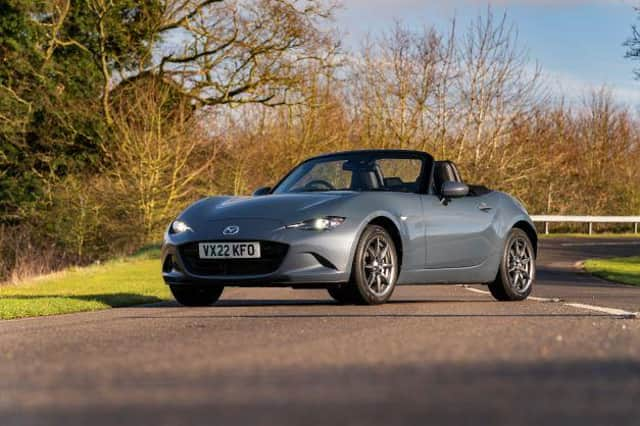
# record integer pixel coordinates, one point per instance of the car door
(459, 233)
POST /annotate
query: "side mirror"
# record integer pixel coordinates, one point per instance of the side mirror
(262, 191)
(454, 189)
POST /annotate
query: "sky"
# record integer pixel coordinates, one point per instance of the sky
(578, 43)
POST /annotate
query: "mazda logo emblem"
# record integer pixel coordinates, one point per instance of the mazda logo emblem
(231, 230)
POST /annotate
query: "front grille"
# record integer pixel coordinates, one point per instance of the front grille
(272, 254)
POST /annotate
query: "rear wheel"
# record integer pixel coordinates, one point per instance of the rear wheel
(517, 269)
(196, 295)
(375, 267)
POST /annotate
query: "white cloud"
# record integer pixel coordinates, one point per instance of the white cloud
(575, 89)
(567, 83)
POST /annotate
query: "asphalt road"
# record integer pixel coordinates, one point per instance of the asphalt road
(434, 355)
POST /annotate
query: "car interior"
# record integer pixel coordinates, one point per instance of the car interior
(369, 176)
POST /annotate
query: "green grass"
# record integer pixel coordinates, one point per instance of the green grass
(620, 269)
(594, 235)
(131, 281)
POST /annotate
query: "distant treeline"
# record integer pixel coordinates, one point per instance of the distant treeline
(114, 115)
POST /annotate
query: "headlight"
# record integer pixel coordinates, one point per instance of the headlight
(317, 224)
(179, 226)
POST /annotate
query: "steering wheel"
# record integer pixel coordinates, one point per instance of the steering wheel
(312, 185)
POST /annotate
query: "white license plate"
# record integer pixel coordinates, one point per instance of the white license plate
(247, 250)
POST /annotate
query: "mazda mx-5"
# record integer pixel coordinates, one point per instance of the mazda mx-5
(357, 224)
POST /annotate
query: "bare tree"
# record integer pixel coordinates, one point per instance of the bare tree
(396, 79)
(154, 160)
(247, 51)
(633, 45)
(496, 85)
(229, 52)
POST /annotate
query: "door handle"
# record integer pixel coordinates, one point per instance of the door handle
(484, 207)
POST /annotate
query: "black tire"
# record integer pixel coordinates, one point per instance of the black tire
(196, 295)
(507, 287)
(361, 289)
(341, 294)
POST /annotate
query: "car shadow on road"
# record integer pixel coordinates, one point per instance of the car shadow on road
(335, 315)
(246, 303)
(220, 310)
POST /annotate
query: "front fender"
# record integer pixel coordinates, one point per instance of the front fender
(410, 228)
(513, 214)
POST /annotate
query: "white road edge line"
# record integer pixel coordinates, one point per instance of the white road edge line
(475, 290)
(610, 311)
(602, 309)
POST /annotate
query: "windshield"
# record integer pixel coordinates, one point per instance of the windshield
(355, 173)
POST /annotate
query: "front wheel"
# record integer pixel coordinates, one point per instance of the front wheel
(375, 267)
(196, 295)
(517, 269)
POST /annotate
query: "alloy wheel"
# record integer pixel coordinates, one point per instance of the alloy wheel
(520, 265)
(379, 266)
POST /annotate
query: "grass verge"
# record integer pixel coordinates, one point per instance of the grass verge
(131, 281)
(624, 270)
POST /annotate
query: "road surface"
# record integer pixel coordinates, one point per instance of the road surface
(433, 355)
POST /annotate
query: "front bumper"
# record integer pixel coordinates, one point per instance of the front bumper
(307, 257)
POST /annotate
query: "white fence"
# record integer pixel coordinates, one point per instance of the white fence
(586, 219)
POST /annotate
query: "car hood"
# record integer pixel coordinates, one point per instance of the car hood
(277, 206)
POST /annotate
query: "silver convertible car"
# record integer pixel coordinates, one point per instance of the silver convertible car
(357, 224)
